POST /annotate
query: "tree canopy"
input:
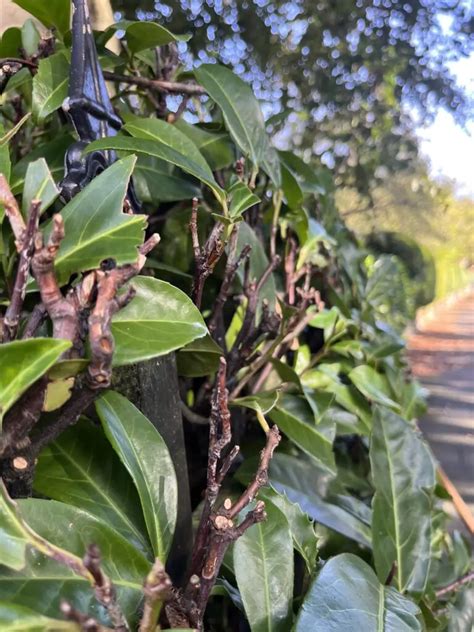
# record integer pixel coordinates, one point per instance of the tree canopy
(342, 79)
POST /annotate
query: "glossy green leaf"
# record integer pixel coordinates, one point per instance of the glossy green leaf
(294, 417)
(159, 181)
(260, 402)
(52, 151)
(80, 468)
(200, 357)
(13, 540)
(263, 564)
(163, 151)
(55, 13)
(146, 457)
(271, 164)
(143, 35)
(217, 148)
(169, 135)
(10, 42)
(95, 226)
(241, 110)
(373, 385)
(159, 319)
(43, 582)
(258, 262)
(346, 396)
(50, 85)
(39, 185)
(5, 161)
(302, 530)
(23, 362)
(300, 481)
(291, 188)
(403, 475)
(346, 594)
(30, 37)
(15, 618)
(306, 176)
(241, 199)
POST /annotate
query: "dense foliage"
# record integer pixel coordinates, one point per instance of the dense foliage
(344, 79)
(273, 309)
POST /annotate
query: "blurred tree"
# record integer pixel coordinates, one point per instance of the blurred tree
(347, 67)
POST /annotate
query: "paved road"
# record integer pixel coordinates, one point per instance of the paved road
(443, 360)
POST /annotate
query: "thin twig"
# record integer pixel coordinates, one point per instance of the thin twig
(455, 585)
(12, 315)
(12, 211)
(157, 589)
(104, 589)
(172, 87)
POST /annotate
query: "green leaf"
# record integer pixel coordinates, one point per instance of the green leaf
(146, 457)
(291, 188)
(30, 37)
(403, 474)
(81, 469)
(13, 540)
(23, 362)
(159, 181)
(241, 198)
(216, 148)
(6, 138)
(373, 385)
(52, 151)
(43, 582)
(39, 185)
(163, 151)
(5, 162)
(10, 42)
(263, 564)
(14, 618)
(159, 319)
(258, 262)
(50, 85)
(302, 530)
(294, 417)
(271, 164)
(347, 595)
(52, 13)
(300, 480)
(241, 110)
(306, 176)
(346, 396)
(95, 226)
(260, 402)
(200, 357)
(143, 35)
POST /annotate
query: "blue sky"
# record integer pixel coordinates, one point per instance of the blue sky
(449, 147)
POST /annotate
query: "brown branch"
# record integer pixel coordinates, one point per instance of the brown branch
(12, 211)
(12, 315)
(249, 332)
(62, 311)
(171, 87)
(219, 437)
(104, 590)
(35, 321)
(206, 257)
(84, 621)
(217, 528)
(455, 585)
(216, 321)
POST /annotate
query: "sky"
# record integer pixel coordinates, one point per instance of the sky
(448, 147)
